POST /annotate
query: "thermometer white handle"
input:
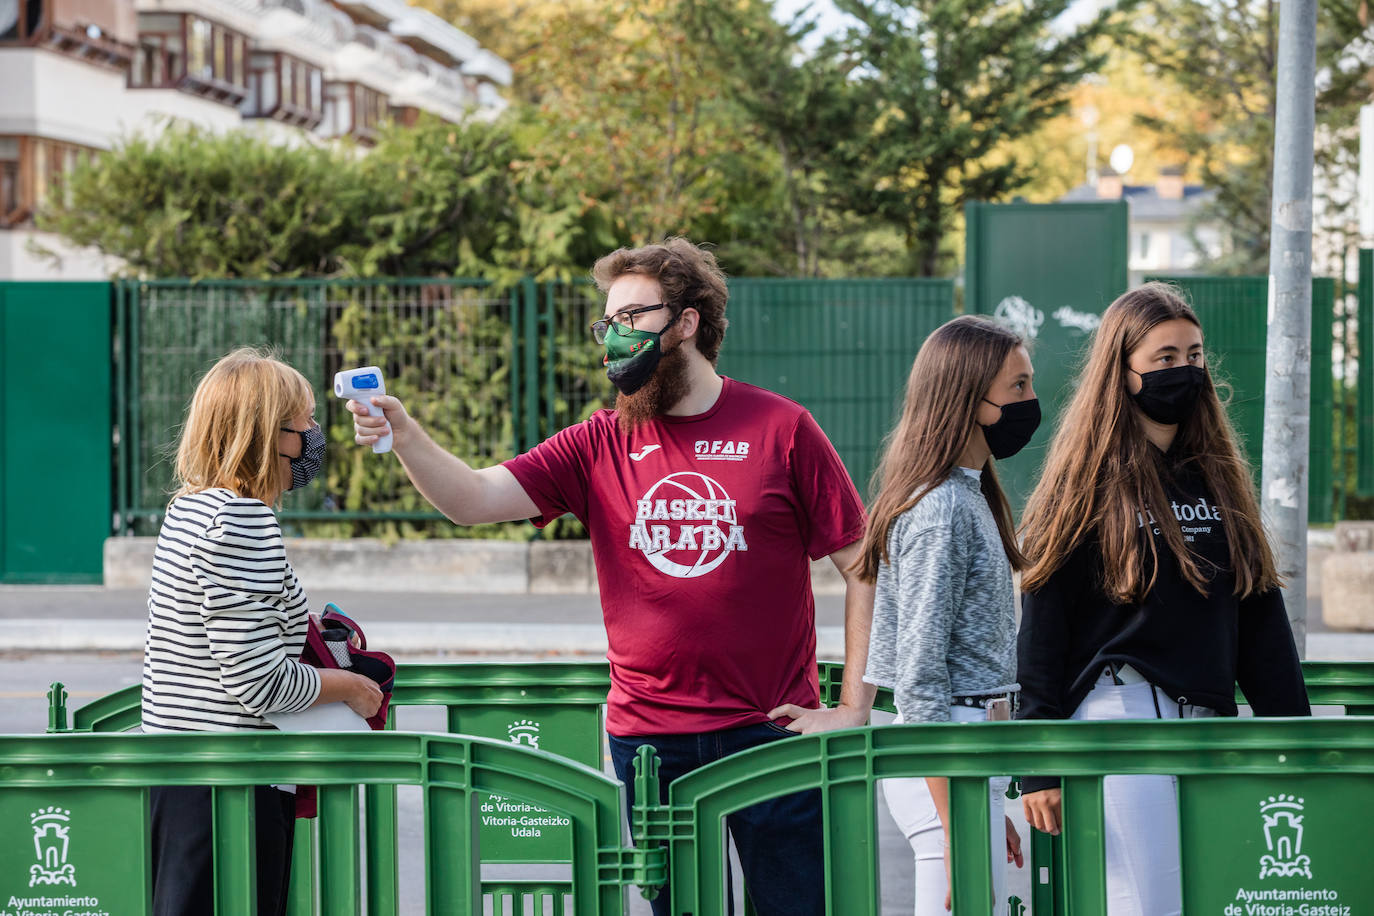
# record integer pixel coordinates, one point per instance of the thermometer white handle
(362, 385)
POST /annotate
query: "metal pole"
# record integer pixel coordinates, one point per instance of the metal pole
(1287, 411)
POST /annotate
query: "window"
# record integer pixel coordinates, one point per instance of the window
(9, 175)
(20, 20)
(32, 169)
(198, 48)
(192, 54)
(1143, 246)
(369, 111)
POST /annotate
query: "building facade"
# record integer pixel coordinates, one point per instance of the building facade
(76, 75)
(1167, 234)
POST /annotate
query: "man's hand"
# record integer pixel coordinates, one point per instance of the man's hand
(1042, 810)
(367, 429)
(809, 721)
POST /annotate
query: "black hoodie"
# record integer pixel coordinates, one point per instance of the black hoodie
(1194, 647)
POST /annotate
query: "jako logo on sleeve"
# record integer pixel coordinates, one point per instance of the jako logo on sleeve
(721, 450)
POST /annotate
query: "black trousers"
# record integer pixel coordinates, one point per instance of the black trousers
(183, 855)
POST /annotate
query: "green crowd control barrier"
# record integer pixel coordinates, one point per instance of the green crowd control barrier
(555, 707)
(1273, 809)
(550, 706)
(78, 804)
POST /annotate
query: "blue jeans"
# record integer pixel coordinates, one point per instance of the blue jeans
(779, 841)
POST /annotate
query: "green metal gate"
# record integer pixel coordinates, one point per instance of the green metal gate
(1047, 271)
(55, 467)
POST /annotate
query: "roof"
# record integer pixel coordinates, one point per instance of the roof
(1145, 202)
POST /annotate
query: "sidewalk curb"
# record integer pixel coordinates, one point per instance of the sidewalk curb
(84, 635)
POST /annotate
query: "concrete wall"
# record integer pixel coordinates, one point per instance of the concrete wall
(460, 566)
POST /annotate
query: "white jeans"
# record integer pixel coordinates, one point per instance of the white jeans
(914, 811)
(1141, 821)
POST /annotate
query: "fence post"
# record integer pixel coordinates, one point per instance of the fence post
(120, 347)
(970, 844)
(531, 328)
(1085, 852)
(517, 375)
(236, 871)
(1364, 377)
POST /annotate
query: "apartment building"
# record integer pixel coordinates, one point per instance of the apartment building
(75, 75)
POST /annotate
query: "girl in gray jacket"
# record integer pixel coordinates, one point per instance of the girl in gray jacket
(941, 546)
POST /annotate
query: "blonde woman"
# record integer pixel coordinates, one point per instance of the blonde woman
(941, 547)
(227, 616)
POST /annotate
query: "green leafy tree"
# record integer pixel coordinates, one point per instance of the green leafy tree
(195, 204)
(1224, 56)
(805, 108)
(433, 199)
(952, 82)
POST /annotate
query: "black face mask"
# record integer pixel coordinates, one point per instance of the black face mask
(1169, 396)
(1011, 432)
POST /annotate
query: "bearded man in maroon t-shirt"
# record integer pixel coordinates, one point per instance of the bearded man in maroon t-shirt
(705, 499)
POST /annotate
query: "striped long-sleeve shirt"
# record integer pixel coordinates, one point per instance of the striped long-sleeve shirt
(226, 620)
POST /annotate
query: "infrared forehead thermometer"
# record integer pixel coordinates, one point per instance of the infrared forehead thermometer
(361, 385)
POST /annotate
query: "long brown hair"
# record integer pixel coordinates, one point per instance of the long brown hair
(1102, 474)
(954, 369)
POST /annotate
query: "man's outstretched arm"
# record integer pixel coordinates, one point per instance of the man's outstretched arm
(466, 495)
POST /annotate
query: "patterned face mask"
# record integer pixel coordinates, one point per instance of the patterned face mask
(306, 466)
(632, 356)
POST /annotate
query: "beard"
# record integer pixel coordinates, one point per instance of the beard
(668, 386)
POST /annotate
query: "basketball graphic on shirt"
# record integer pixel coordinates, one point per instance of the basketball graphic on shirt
(686, 525)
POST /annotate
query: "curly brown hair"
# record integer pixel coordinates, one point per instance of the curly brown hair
(689, 277)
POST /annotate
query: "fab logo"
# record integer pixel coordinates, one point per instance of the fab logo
(686, 525)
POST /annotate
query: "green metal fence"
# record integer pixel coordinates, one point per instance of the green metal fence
(1234, 315)
(1231, 773)
(841, 348)
(490, 372)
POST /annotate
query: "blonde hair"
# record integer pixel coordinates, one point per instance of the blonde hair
(230, 435)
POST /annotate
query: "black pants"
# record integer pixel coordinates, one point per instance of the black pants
(183, 853)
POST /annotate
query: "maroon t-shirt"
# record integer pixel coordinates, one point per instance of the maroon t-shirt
(703, 529)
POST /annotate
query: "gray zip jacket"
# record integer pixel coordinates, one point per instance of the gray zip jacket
(944, 614)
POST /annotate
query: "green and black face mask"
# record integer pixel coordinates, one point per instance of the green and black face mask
(632, 356)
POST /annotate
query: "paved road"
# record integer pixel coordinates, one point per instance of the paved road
(82, 602)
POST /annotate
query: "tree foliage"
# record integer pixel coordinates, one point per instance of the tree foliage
(1223, 54)
(954, 81)
(434, 199)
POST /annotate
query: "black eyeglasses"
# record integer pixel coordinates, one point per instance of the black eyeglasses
(624, 319)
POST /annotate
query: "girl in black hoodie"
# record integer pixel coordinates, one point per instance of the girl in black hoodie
(1152, 590)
